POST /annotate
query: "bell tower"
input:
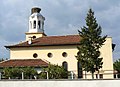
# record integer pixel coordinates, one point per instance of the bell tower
(36, 24)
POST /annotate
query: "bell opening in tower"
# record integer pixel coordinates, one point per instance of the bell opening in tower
(39, 24)
(34, 24)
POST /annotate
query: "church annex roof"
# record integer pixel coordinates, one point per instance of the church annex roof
(50, 41)
(23, 63)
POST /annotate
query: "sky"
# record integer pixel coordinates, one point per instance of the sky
(62, 17)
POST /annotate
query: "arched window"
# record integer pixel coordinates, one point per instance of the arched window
(65, 65)
(39, 25)
(34, 24)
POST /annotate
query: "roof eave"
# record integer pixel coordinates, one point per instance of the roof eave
(42, 45)
(24, 66)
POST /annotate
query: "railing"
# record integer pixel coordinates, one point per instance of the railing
(72, 76)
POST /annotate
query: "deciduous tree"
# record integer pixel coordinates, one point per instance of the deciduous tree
(54, 72)
(16, 72)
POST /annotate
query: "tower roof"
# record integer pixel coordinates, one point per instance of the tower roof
(35, 10)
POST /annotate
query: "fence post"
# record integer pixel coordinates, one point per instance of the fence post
(0, 75)
(47, 75)
(22, 75)
(72, 75)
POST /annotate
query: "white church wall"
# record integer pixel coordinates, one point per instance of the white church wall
(57, 58)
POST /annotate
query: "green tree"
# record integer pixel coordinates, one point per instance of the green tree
(7, 72)
(16, 72)
(54, 72)
(117, 67)
(91, 42)
(29, 72)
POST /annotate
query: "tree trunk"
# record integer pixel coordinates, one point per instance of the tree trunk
(92, 75)
(98, 75)
(85, 75)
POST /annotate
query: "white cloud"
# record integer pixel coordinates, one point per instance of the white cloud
(62, 17)
(3, 52)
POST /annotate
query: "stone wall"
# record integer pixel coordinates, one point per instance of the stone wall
(60, 83)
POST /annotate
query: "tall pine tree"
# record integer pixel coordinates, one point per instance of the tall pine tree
(92, 41)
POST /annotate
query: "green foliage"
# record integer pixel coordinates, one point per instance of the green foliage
(117, 67)
(54, 72)
(91, 42)
(43, 75)
(29, 72)
(16, 72)
(7, 72)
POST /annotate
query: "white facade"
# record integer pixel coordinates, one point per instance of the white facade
(71, 51)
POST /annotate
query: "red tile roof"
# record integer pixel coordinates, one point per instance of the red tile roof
(51, 41)
(23, 63)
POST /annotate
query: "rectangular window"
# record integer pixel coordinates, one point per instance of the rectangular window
(101, 76)
(34, 24)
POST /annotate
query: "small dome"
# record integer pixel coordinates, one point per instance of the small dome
(35, 10)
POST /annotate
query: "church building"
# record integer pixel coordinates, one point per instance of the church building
(39, 50)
